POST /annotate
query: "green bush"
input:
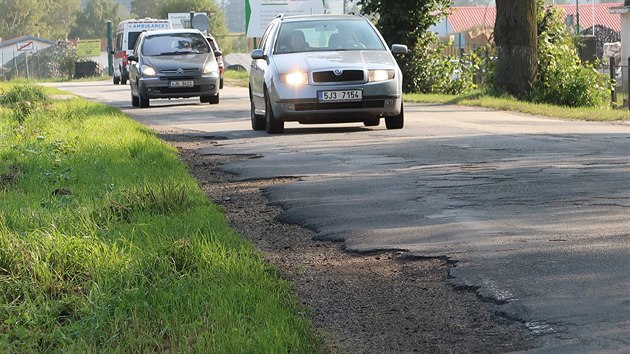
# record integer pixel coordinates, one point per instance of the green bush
(23, 100)
(562, 79)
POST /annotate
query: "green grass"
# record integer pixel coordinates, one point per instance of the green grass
(107, 244)
(480, 99)
(236, 78)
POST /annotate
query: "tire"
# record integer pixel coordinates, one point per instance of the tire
(221, 83)
(258, 121)
(123, 79)
(396, 122)
(214, 99)
(144, 102)
(204, 99)
(116, 80)
(135, 101)
(274, 126)
(372, 122)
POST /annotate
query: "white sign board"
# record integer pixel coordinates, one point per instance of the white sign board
(182, 19)
(258, 13)
(25, 46)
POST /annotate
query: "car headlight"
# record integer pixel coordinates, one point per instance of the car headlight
(295, 78)
(381, 75)
(147, 70)
(210, 67)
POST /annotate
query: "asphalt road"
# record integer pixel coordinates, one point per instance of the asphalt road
(534, 211)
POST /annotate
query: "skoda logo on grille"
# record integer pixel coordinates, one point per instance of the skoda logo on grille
(338, 72)
(180, 71)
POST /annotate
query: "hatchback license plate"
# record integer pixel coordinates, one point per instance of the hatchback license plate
(181, 83)
(340, 96)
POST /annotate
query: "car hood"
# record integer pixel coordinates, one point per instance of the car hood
(174, 62)
(317, 61)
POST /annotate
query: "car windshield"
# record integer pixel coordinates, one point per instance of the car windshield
(327, 35)
(174, 44)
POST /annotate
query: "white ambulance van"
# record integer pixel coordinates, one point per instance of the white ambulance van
(125, 39)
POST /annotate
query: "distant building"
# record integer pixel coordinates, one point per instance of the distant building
(12, 48)
(472, 26)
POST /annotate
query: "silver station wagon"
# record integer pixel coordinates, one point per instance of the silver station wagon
(324, 69)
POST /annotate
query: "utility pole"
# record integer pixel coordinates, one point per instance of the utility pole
(577, 17)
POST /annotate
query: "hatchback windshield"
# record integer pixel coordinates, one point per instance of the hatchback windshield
(326, 35)
(174, 44)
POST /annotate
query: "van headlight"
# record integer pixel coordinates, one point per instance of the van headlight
(380, 75)
(210, 67)
(295, 78)
(147, 70)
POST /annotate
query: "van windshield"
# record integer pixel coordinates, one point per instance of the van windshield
(175, 44)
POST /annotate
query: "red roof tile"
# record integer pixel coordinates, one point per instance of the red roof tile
(464, 18)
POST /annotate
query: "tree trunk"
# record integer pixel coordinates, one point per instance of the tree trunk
(515, 39)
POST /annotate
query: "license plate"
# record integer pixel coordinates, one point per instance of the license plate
(340, 96)
(181, 83)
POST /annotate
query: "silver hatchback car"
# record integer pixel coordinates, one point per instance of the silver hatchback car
(324, 69)
(172, 64)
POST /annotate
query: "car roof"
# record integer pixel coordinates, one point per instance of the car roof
(321, 17)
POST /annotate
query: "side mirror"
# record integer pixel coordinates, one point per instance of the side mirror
(132, 58)
(218, 53)
(258, 54)
(399, 49)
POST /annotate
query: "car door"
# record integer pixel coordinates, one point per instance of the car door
(259, 66)
(134, 69)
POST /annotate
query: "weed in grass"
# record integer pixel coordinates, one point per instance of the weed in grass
(6, 178)
(162, 199)
(24, 100)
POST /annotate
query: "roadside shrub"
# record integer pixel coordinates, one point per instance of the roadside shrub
(562, 79)
(24, 100)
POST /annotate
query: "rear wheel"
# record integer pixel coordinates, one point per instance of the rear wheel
(396, 122)
(221, 83)
(204, 99)
(116, 80)
(123, 79)
(258, 121)
(274, 126)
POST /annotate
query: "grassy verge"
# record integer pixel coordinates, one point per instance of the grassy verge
(511, 104)
(236, 78)
(108, 245)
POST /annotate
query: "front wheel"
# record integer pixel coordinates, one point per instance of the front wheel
(274, 126)
(396, 122)
(135, 101)
(143, 101)
(214, 99)
(258, 121)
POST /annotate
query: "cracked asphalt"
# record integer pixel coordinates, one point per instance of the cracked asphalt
(534, 212)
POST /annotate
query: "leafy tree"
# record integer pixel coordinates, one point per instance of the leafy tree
(59, 17)
(515, 39)
(407, 22)
(146, 8)
(20, 17)
(561, 78)
(91, 21)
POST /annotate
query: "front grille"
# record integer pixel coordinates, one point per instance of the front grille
(339, 105)
(184, 72)
(345, 76)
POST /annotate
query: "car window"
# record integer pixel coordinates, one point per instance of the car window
(326, 35)
(132, 37)
(265, 42)
(174, 44)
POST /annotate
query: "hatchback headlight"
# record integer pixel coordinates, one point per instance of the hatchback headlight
(148, 70)
(210, 67)
(295, 78)
(380, 75)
